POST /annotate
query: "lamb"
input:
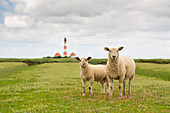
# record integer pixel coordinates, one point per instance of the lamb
(119, 68)
(92, 73)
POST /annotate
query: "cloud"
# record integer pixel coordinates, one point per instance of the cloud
(18, 21)
(61, 8)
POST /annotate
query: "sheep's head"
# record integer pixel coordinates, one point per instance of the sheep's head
(113, 52)
(83, 61)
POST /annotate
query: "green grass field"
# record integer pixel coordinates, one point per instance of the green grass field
(56, 87)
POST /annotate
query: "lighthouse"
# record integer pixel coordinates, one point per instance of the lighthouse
(57, 55)
(65, 47)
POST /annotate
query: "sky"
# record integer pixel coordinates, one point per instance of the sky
(36, 28)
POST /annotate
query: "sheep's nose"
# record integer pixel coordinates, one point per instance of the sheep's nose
(114, 57)
(83, 64)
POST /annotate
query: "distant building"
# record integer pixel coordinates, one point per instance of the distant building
(57, 55)
(72, 54)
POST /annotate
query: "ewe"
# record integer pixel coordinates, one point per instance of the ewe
(119, 68)
(92, 73)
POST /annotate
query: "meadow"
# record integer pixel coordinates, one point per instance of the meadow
(57, 87)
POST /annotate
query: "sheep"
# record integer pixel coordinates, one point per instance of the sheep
(92, 73)
(119, 68)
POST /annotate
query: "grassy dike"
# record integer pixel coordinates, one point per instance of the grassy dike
(72, 60)
(56, 87)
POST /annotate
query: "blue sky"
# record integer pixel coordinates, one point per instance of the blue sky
(1, 17)
(34, 29)
(5, 6)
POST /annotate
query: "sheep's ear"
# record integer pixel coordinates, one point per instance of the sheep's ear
(77, 58)
(88, 58)
(106, 49)
(120, 48)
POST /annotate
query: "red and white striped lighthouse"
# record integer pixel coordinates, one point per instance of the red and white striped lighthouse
(65, 47)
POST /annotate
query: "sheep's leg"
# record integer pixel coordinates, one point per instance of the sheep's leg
(130, 80)
(107, 87)
(129, 87)
(90, 87)
(103, 88)
(124, 87)
(84, 87)
(111, 87)
(120, 86)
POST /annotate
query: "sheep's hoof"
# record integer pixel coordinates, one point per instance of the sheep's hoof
(119, 97)
(124, 96)
(102, 93)
(129, 94)
(84, 94)
(107, 93)
(110, 97)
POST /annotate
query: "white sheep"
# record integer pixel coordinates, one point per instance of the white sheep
(119, 68)
(92, 73)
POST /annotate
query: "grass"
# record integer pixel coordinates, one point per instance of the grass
(56, 87)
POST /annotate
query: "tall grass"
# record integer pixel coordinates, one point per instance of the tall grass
(157, 61)
(8, 67)
(161, 71)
